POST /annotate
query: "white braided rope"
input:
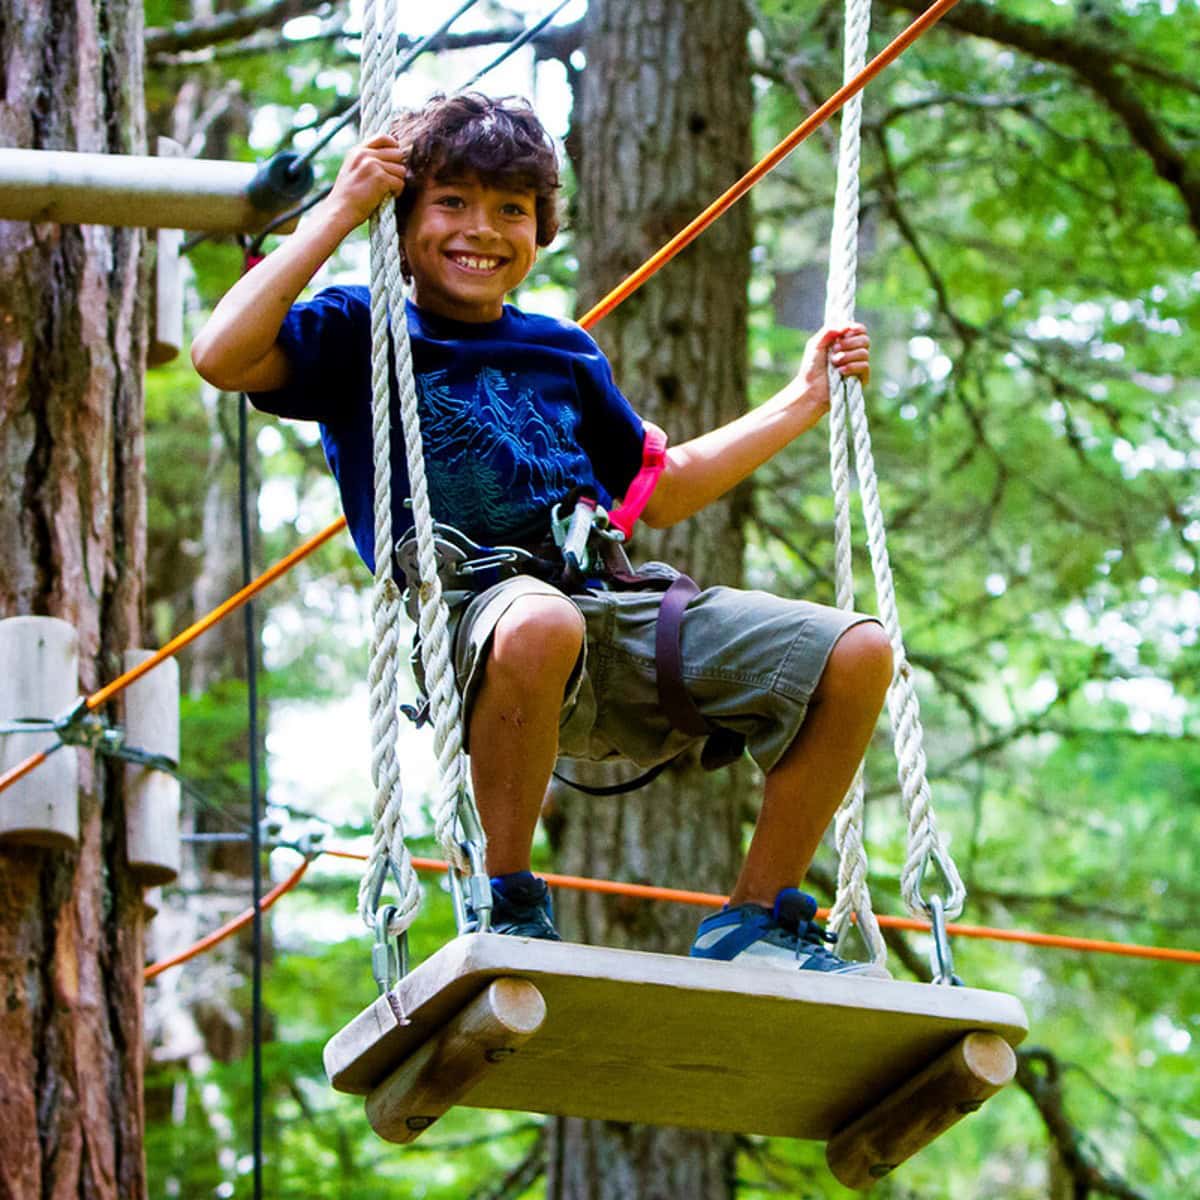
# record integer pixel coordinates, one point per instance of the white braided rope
(848, 409)
(388, 848)
(853, 892)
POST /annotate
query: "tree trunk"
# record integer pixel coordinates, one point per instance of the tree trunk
(72, 531)
(663, 125)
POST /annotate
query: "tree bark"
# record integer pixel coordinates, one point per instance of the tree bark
(662, 126)
(72, 526)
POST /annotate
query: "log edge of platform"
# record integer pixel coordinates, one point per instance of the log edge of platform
(904, 1122)
(441, 1072)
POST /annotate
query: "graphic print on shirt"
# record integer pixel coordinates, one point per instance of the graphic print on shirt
(493, 455)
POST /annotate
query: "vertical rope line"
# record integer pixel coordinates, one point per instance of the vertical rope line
(388, 849)
(853, 892)
(249, 629)
(848, 417)
(389, 330)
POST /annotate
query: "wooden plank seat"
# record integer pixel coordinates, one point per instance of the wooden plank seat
(629, 1036)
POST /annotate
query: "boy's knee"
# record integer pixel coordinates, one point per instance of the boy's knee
(538, 640)
(860, 663)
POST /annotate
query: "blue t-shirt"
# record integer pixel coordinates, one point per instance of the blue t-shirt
(514, 414)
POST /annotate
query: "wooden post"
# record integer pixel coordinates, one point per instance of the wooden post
(505, 1015)
(39, 677)
(920, 1110)
(166, 326)
(152, 901)
(151, 723)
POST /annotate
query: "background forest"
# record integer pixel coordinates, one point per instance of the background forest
(1029, 272)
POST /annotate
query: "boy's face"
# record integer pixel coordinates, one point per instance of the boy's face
(469, 244)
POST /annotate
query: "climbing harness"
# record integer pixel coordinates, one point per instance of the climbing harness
(587, 556)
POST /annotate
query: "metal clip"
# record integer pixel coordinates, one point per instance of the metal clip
(389, 958)
(501, 558)
(472, 896)
(941, 960)
(571, 533)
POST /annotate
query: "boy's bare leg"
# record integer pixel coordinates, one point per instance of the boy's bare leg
(514, 722)
(806, 786)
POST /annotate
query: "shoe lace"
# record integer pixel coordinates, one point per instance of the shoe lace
(805, 938)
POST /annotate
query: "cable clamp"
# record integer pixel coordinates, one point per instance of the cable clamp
(79, 726)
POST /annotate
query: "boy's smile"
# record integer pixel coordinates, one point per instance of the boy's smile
(468, 244)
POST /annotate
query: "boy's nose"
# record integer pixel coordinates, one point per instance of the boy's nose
(481, 226)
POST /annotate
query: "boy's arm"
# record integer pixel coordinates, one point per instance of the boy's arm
(236, 349)
(697, 472)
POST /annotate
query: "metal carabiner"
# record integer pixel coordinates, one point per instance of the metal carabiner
(571, 533)
(941, 960)
(473, 897)
(389, 958)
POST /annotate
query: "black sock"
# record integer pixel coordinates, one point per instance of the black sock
(514, 883)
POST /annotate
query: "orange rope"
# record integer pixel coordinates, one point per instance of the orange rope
(728, 199)
(22, 769)
(189, 635)
(229, 928)
(222, 610)
(712, 900)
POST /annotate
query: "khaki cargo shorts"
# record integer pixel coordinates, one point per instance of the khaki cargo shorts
(751, 663)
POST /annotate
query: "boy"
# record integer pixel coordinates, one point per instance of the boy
(517, 411)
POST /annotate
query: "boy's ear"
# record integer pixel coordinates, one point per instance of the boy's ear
(401, 229)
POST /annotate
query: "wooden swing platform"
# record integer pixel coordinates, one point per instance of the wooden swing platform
(879, 1067)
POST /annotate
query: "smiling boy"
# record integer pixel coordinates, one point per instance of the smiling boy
(518, 411)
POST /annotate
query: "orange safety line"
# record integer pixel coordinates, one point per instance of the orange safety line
(222, 610)
(728, 199)
(712, 900)
(229, 928)
(22, 769)
(189, 635)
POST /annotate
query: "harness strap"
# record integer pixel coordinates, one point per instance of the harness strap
(654, 459)
(680, 708)
(617, 789)
(723, 746)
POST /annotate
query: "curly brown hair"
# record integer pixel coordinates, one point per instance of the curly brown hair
(499, 140)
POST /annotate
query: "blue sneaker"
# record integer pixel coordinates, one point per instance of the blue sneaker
(521, 907)
(785, 935)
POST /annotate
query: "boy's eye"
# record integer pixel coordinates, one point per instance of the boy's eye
(515, 209)
(449, 200)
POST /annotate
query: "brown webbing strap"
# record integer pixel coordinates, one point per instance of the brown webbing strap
(723, 746)
(681, 710)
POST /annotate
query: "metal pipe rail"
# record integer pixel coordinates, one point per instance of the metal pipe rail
(74, 188)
